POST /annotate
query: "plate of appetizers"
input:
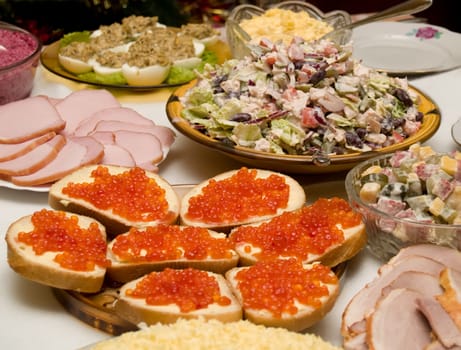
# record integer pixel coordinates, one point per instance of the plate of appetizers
(137, 53)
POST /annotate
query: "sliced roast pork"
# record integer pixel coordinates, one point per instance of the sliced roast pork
(116, 113)
(449, 257)
(163, 133)
(13, 150)
(363, 303)
(76, 153)
(406, 329)
(35, 159)
(451, 298)
(82, 104)
(27, 119)
(440, 321)
(145, 148)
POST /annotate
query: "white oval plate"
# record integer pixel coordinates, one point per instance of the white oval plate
(407, 48)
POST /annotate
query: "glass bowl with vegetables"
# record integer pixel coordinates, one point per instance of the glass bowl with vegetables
(408, 197)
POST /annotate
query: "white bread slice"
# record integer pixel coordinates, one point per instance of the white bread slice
(125, 271)
(42, 268)
(114, 223)
(355, 239)
(296, 199)
(137, 311)
(305, 316)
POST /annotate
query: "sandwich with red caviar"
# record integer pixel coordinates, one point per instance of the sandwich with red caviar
(59, 249)
(239, 197)
(118, 197)
(140, 251)
(284, 292)
(172, 294)
(327, 231)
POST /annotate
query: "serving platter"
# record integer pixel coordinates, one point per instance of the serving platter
(406, 48)
(97, 309)
(49, 60)
(299, 164)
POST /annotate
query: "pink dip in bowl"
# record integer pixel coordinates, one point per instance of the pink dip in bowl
(19, 57)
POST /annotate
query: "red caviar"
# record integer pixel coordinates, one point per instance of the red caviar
(131, 194)
(309, 230)
(189, 289)
(78, 249)
(239, 197)
(170, 242)
(275, 285)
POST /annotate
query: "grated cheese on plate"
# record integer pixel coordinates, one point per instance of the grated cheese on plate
(280, 24)
(200, 334)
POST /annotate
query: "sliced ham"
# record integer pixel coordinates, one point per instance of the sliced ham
(113, 154)
(447, 256)
(145, 148)
(82, 104)
(163, 133)
(419, 281)
(35, 159)
(363, 303)
(76, 153)
(451, 298)
(115, 113)
(13, 150)
(441, 323)
(27, 119)
(116, 155)
(406, 329)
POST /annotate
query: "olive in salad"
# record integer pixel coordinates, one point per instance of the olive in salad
(301, 99)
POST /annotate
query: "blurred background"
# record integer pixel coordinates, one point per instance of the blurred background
(50, 19)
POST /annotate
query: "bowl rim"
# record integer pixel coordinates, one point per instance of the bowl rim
(350, 183)
(312, 9)
(34, 54)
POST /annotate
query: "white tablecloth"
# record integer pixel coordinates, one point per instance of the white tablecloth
(31, 317)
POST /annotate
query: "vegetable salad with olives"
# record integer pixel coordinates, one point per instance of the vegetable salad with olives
(302, 99)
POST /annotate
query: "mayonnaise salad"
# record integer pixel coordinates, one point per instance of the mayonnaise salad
(302, 98)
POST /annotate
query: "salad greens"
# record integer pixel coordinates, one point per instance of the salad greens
(300, 99)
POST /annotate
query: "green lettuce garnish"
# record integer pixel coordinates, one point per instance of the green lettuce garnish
(75, 36)
(109, 79)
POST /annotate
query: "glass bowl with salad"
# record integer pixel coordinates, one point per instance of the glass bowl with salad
(408, 197)
(247, 24)
(306, 107)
